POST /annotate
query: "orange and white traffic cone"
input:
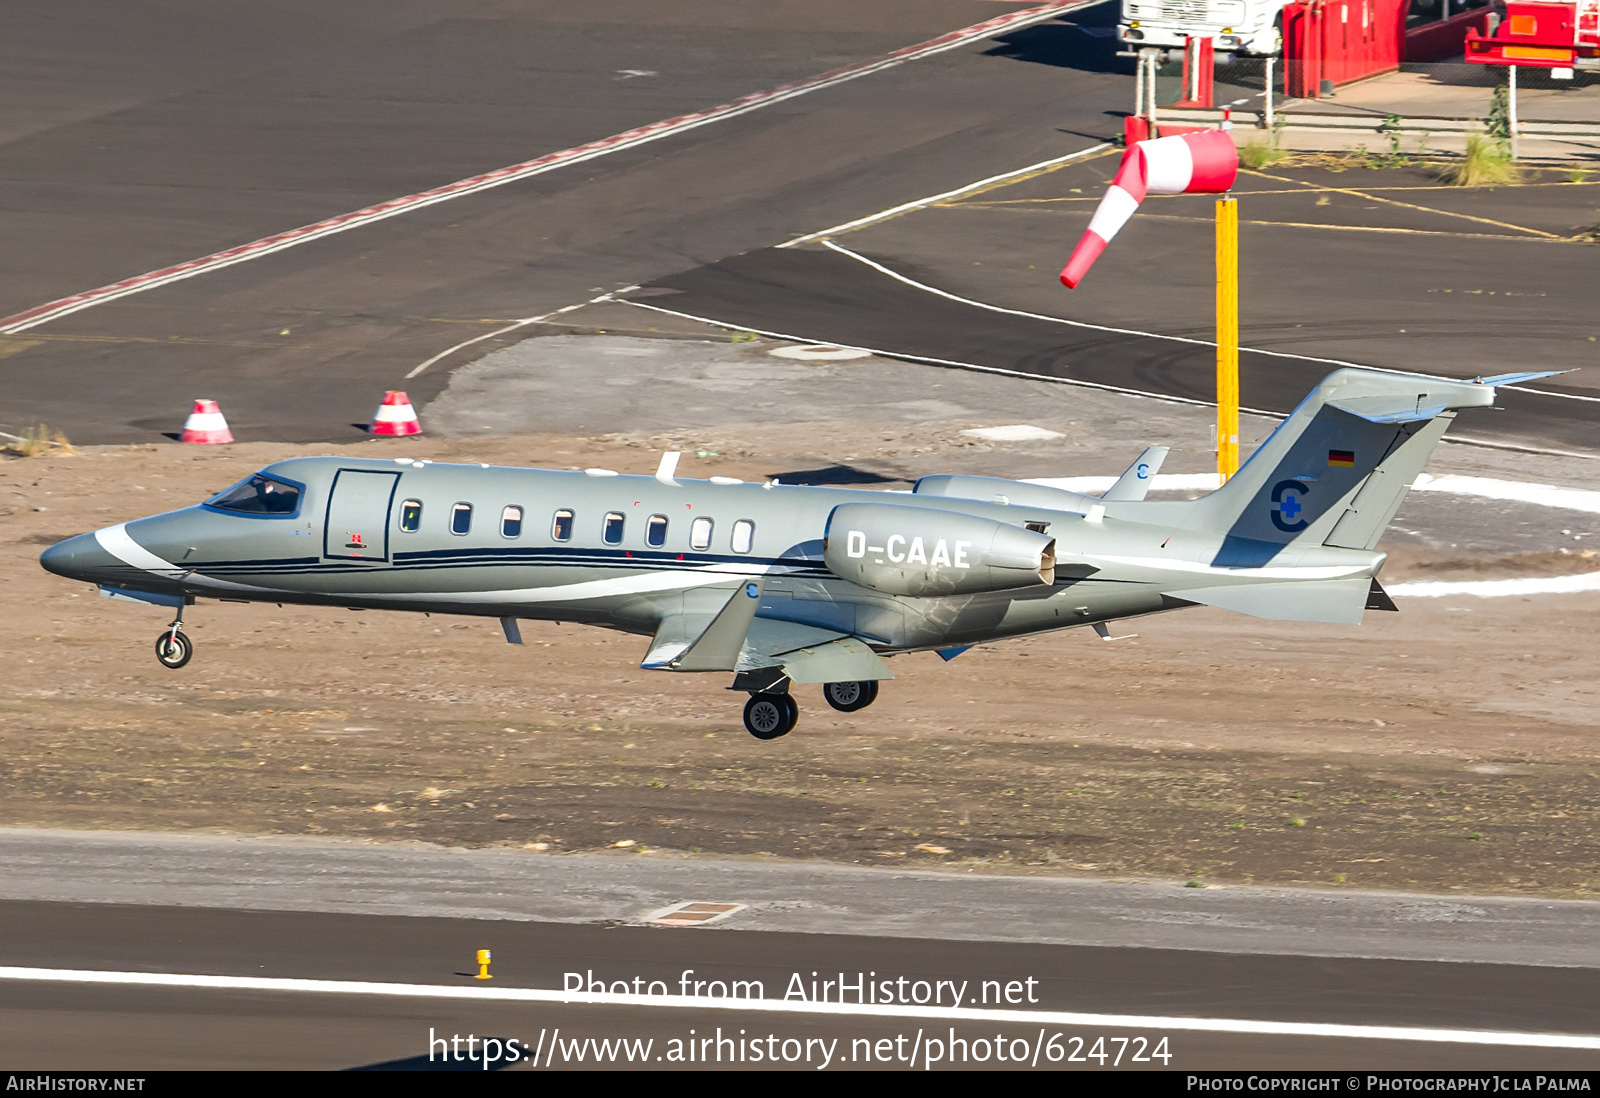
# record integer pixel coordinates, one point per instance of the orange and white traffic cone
(205, 424)
(395, 416)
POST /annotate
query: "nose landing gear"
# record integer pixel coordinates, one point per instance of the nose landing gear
(174, 649)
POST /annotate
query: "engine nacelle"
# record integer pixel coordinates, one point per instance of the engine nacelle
(925, 551)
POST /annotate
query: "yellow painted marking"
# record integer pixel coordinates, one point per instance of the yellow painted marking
(1543, 238)
(1406, 205)
(1307, 189)
(10, 345)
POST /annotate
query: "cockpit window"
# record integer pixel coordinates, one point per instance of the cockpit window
(261, 495)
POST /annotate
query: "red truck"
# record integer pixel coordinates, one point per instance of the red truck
(1549, 34)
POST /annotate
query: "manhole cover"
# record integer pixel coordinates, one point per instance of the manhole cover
(820, 353)
(1014, 432)
(692, 913)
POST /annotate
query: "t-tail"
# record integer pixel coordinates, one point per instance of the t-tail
(1290, 536)
(1335, 472)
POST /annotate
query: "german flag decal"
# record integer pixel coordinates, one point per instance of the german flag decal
(1342, 459)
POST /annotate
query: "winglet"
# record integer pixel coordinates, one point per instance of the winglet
(717, 646)
(668, 467)
(1135, 483)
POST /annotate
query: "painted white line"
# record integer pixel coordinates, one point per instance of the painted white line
(973, 366)
(1544, 495)
(1499, 589)
(907, 280)
(1541, 495)
(513, 326)
(897, 276)
(526, 170)
(907, 207)
(1161, 482)
(794, 1006)
(487, 335)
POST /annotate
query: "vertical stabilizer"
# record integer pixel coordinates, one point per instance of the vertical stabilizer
(1336, 470)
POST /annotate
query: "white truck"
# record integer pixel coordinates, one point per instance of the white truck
(1238, 26)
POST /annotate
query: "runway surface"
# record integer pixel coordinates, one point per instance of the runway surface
(1265, 957)
(295, 115)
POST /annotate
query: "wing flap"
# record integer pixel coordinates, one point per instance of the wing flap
(842, 660)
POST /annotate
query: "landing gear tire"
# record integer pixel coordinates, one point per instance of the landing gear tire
(768, 716)
(173, 649)
(847, 697)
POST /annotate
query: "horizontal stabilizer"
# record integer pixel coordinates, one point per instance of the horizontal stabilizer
(1339, 602)
(843, 660)
(1135, 483)
(1518, 379)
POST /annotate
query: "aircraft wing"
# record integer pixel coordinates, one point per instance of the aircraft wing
(734, 639)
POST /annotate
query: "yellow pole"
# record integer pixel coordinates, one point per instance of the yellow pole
(1227, 337)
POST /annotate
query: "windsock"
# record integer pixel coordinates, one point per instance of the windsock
(395, 416)
(205, 424)
(1205, 162)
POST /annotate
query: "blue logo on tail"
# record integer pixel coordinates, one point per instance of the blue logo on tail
(1286, 505)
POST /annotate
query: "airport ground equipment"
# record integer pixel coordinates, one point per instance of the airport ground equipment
(782, 585)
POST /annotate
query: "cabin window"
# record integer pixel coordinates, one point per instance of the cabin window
(655, 531)
(611, 532)
(461, 518)
(511, 522)
(744, 535)
(260, 495)
(411, 516)
(561, 526)
(700, 533)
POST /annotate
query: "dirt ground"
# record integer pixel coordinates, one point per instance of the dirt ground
(1451, 746)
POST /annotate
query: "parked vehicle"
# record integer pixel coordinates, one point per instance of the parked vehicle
(1249, 27)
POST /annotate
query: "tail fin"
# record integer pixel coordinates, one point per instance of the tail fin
(1335, 471)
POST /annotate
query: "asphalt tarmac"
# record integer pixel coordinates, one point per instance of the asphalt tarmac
(823, 295)
(51, 1024)
(296, 909)
(295, 114)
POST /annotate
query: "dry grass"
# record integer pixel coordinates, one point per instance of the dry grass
(37, 442)
(1260, 153)
(1487, 163)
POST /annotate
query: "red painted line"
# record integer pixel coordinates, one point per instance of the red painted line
(549, 162)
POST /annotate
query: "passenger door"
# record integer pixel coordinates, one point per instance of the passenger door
(358, 515)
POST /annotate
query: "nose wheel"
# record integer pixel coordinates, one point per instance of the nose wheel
(173, 648)
(847, 697)
(768, 716)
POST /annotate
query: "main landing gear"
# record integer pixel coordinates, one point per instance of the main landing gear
(173, 648)
(768, 715)
(847, 697)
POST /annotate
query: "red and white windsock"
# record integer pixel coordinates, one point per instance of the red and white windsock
(205, 424)
(1191, 163)
(395, 416)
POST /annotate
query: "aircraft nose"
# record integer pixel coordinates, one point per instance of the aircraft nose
(80, 558)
